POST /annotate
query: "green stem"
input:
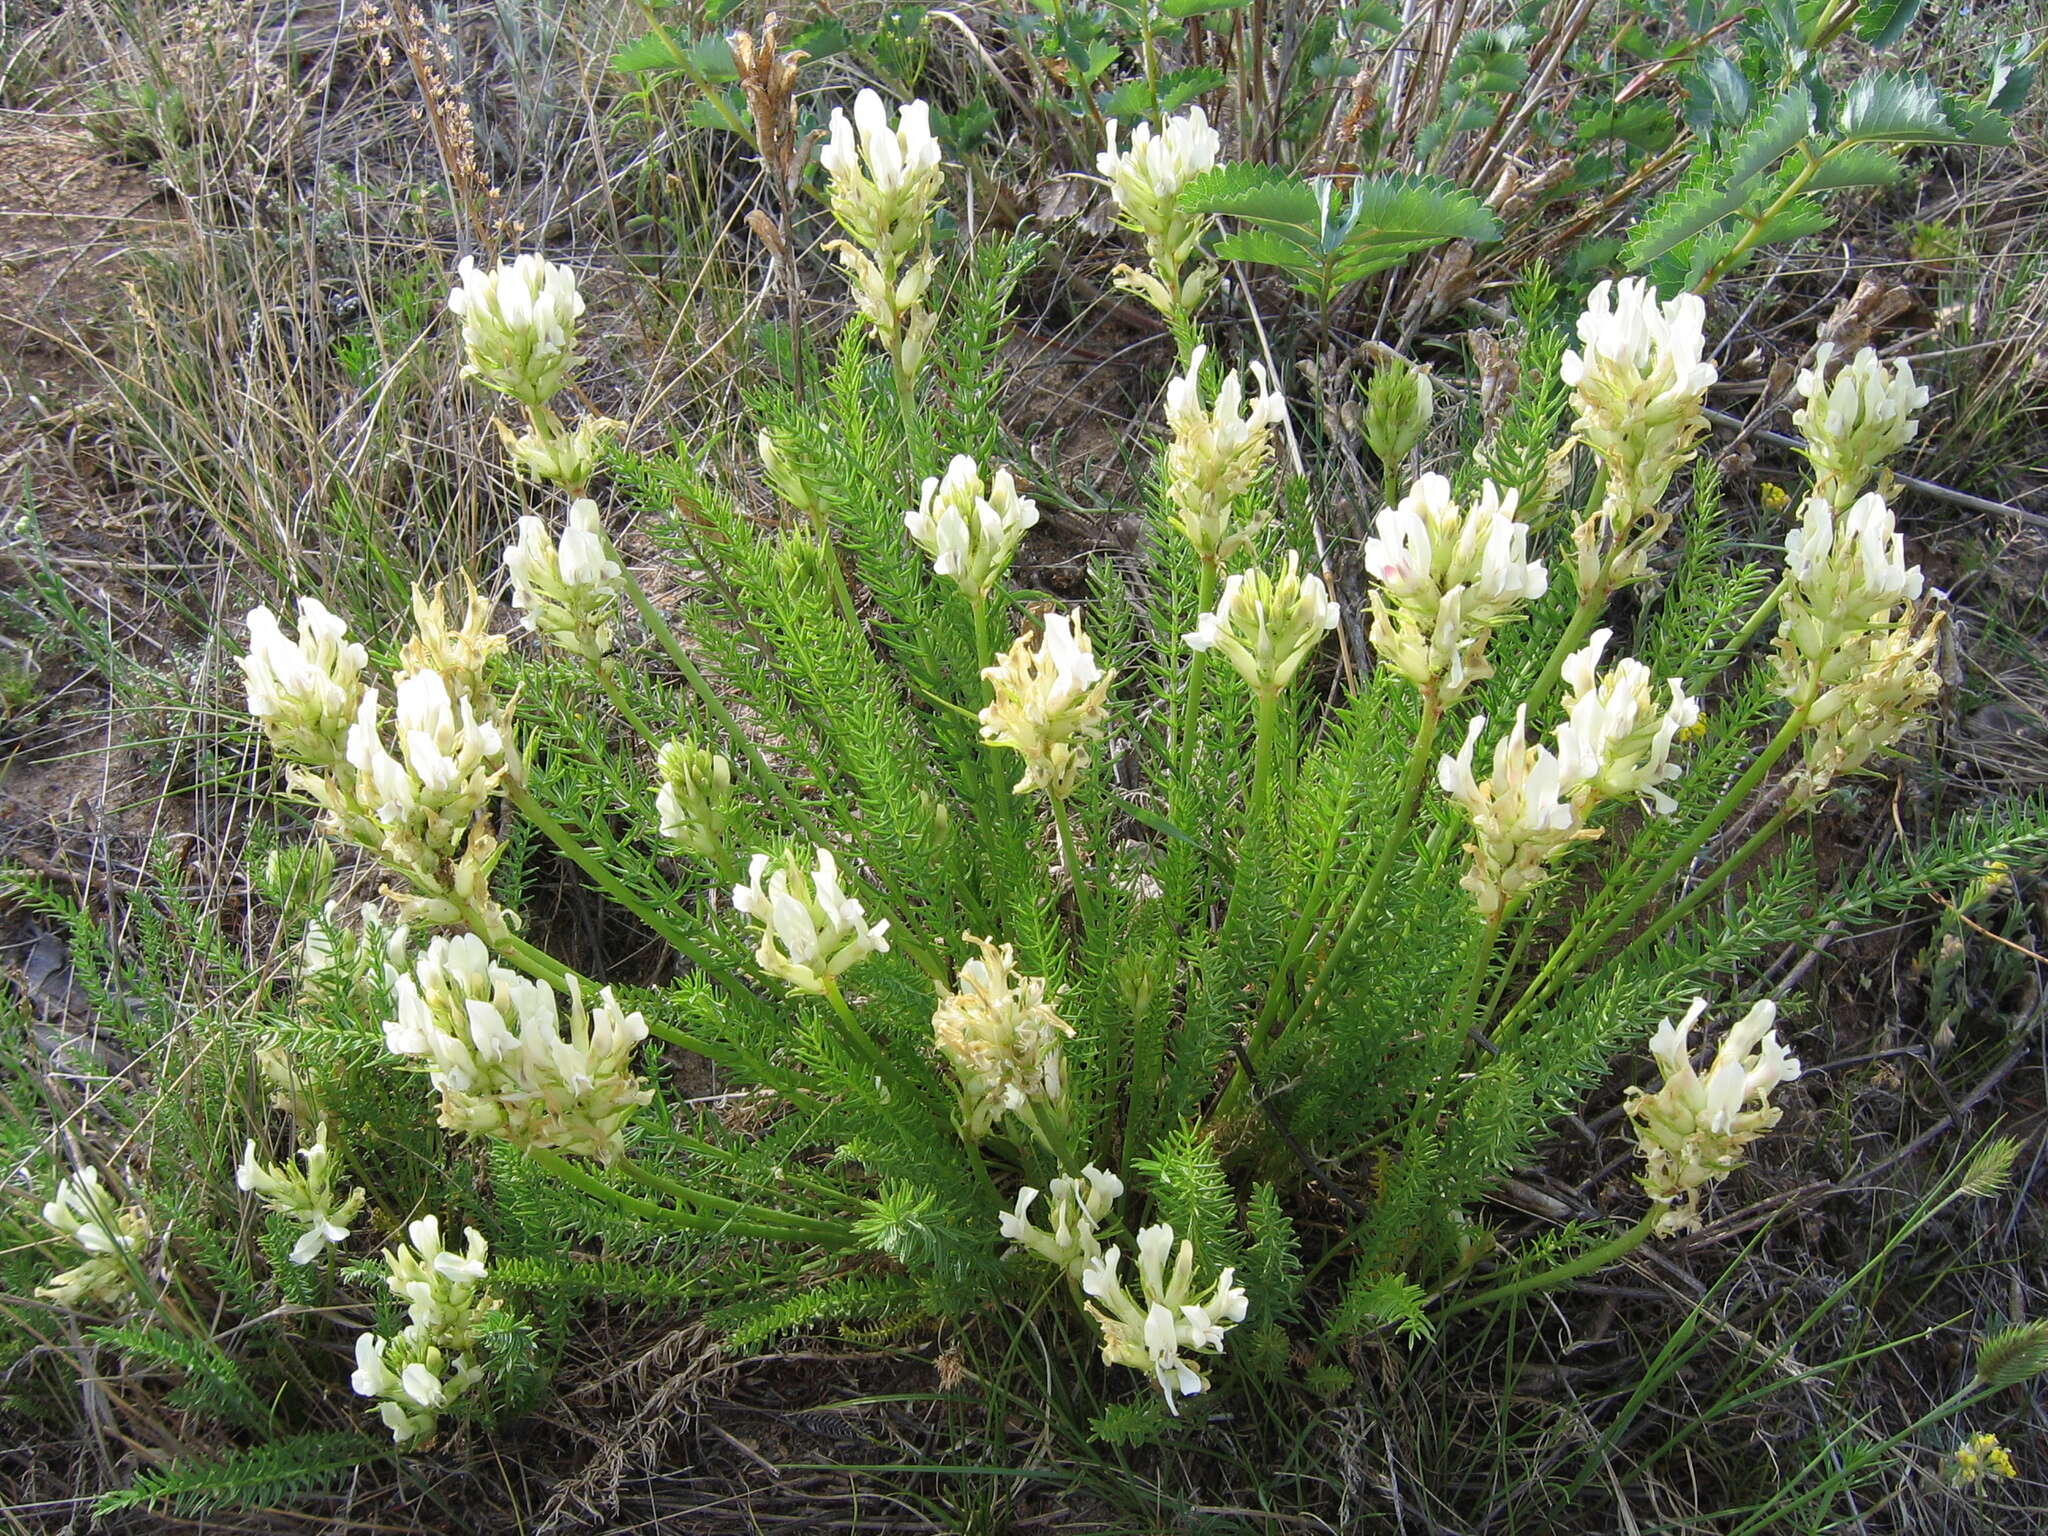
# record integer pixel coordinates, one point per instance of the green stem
(1090, 922)
(863, 1045)
(776, 1229)
(1584, 1264)
(704, 1200)
(1184, 743)
(1757, 620)
(1584, 617)
(1578, 943)
(1713, 882)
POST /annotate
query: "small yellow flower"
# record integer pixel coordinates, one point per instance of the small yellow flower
(1978, 1458)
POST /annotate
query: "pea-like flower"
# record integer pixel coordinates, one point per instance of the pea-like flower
(694, 799)
(518, 326)
(427, 1365)
(1620, 740)
(1265, 625)
(568, 590)
(305, 1194)
(563, 456)
(1078, 1207)
(1522, 815)
(1050, 701)
(786, 478)
(1002, 1037)
(970, 529)
(1447, 577)
(304, 692)
(1854, 648)
(812, 931)
(1639, 387)
(1853, 424)
(452, 635)
(414, 1381)
(1216, 454)
(1152, 1331)
(110, 1235)
(1694, 1130)
(882, 184)
(1145, 182)
(491, 1041)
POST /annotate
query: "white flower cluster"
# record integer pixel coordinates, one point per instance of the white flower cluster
(694, 798)
(1145, 181)
(1216, 454)
(568, 590)
(1448, 576)
(1853, 645)
(304, 692)
(1266, 625)
(1050, 702)
(1522, 814)
(1639, 387)
(518, 326)
(812, 932)
(970, 529)
(1853, 424)
(1693, 1130)
(1078, 1207)
(492, 1042)
(428, 1365)
(882, 183)
(423, 807)
(305, 1195)
(1613, 743)
(1619, 740)
(1001, 1037)
(1152, 1331)
(331, 952)
(110, 1236)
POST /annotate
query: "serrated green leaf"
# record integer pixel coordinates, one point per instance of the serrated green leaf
(653, 51)
(1860, 165)
(2012, 77)
(1262, 193)
(1182, 86)
(1771, 135)
(1978, 123)
(1302, 263)
(1895, 109)
(1696, 205)
(1795, 221)
(1880, 23)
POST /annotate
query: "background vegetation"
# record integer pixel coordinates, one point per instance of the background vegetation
(229, 232)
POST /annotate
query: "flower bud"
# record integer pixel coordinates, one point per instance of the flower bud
(1399, 401)
(567, 458)
(694, 797)
(1265, 626)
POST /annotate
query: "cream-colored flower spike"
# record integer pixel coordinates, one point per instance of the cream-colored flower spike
(1145, 182)
(1216, 454)
(1853, 646)
(442, 1289)
(568, 590)
(1855, 423)
(694, 799)
(1152, 1331)
(1265, 626)
(1693, 1130)
(413, 1381)
(304, 692)
(882, 184)
(1002, 1039)
(1522, 815)
(1078, 1207)
(428, 1365)
(110, 1236)
(1639, 386)
(1050, 701)
(518, 326)
(811, 930)
(305, 1194)
(1447, 577)
(492, 1043)
(970, 529)
(1619, 740)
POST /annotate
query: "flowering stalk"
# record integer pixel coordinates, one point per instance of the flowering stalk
(1145, 183)
(304, 1194)
(882, 184)
(1001, 1037)
(568, 591)
(1149, 1332)
(111, 1237)
(1853, 424)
